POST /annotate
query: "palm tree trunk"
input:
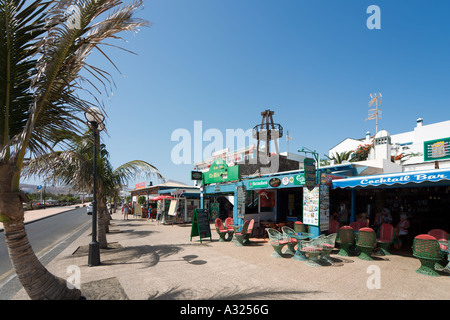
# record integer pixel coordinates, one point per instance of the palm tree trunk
(34, 277)
(38, 282)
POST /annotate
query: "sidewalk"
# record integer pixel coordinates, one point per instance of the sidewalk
(150, 261)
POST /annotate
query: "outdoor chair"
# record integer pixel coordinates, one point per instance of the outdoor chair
(228, 224)
(241, 235)
(291, 242)
(441, 236)
(385, 238)
(224, 234)
(328, 246)
(427, 249)
(277, 241)
(366, 241)
(334, 227)
(312, 249)
(444, 241)
(299, 227)
(249, 231)
(345, 238)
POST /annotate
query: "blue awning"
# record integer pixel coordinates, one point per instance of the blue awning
(426, 177)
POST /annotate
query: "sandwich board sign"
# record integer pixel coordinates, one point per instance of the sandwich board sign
(200, 225)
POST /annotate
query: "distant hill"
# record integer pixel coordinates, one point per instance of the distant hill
(31, 188)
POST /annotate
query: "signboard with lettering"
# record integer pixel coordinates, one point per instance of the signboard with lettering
(438, 149)
(200, 224)
(310, 173)
(196, 175)
(241, 200)
(219, 171)
(258, 184)
(139, 185)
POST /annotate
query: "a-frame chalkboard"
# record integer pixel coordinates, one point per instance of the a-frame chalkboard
(200, 225)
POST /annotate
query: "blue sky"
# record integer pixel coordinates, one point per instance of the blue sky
(314, 63)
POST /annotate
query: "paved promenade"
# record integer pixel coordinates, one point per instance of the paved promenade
(146, 260)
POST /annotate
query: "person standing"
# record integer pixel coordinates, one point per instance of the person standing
(126, 211)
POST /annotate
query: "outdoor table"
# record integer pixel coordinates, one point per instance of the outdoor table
(299, 236)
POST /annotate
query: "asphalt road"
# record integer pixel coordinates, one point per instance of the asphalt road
(48, 237)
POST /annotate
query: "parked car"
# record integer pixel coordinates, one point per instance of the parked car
(89, 209)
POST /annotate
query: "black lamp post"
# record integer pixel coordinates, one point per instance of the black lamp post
(94, 119)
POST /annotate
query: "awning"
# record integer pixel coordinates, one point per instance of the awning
(426, 177)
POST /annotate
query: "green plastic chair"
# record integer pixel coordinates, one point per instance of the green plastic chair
(345, 239)
(291, 242)
(328, 246)
(366, 241)
(385, 238)
(426, 249)
(299, 227)
(312, 250)
(277, 241)
(241, 236)
(224, 234)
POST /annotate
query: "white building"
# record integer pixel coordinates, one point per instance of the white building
(407, 148)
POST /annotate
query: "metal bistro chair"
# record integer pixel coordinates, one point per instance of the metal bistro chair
(222, 232)
(366, 241)
(345, 238)
(426, 248)
(291, 242)
(277, 241)
(241, 235)
(385, 238)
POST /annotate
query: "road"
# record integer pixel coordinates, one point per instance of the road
(48, 237)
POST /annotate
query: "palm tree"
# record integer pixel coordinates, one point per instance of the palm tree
(74, 168)
(339, 158)
(42, 54)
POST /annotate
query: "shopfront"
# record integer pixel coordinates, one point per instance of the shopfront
(276, 197)
(423, 195)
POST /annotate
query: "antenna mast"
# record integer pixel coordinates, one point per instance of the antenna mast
(376, 112)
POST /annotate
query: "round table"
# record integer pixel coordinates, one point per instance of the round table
(299, 236)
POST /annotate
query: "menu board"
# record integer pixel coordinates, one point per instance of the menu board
(324, 207)
(316, 206)
(311, 206)
(241, 200)
(200, 225)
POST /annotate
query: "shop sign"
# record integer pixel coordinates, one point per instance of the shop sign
(274, 182)
(221, 172)
(139, 185)
(310, 173)
(256, 184)
(196, 175)
(434, 150)
(299, 179)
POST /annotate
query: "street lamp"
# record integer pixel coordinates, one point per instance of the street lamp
(94, 119)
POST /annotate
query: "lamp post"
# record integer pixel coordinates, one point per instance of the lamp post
(94, 119)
